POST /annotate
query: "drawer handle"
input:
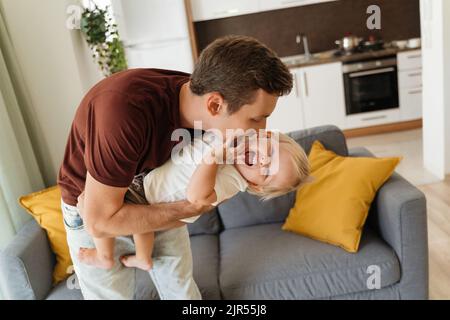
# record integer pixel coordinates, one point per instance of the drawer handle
(305, 76)
(415, 91)
(371, 72)
(374, 118)
(417, 74)
(296, 85)
(417, 56)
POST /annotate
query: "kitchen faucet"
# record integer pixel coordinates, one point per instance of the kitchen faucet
(302, 38)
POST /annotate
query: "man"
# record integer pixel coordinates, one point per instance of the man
(123, 129)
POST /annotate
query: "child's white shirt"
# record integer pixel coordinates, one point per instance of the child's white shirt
(169, 182)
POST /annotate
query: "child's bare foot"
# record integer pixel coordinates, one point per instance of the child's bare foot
(91, 257)
(132, 261)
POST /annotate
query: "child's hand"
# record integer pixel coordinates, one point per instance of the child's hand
(229, 152)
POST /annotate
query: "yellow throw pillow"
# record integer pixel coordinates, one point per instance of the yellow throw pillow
(45, 207)
(334, 207)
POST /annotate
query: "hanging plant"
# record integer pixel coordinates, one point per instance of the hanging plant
(102, 36)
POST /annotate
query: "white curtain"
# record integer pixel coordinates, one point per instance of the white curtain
(19, 171)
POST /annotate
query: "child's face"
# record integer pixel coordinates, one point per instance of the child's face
(273, 167)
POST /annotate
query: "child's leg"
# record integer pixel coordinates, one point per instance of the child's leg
(144, 249)
(102, 256)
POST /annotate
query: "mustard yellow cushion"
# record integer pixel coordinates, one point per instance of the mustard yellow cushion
(334, 207)
(45, 207)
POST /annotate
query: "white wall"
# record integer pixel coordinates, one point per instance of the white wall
(446, 67)
(435, 21)
(57, 71)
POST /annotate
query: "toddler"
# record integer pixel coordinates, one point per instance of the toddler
(202, 173)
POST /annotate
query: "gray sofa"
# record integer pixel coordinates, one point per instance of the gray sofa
(240, 251)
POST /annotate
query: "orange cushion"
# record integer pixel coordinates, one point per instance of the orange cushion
(45, 207)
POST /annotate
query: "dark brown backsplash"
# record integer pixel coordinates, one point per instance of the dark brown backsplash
(322, 23)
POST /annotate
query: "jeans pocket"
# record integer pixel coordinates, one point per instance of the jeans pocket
(72, 218)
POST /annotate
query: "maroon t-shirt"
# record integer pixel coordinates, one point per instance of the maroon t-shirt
(122, 128)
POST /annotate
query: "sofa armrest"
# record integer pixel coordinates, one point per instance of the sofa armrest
(26, 265)
(399, 214)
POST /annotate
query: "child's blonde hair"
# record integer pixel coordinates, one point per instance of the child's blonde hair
(301, 164)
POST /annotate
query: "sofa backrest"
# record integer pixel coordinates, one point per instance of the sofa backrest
(245, 209)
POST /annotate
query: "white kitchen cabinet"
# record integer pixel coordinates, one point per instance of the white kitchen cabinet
(409, 60)
(267, 5)
(322, 91)
(410, 84)
(410, 103)
(288, 114)
(370, 119)
(410, 78)
(317, 99)
(215, 9)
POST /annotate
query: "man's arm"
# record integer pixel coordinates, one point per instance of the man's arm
(106, 215)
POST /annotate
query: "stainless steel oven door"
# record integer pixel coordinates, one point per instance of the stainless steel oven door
(371, 86)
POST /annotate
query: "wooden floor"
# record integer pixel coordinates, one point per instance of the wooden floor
(438, 205)
(409, 145)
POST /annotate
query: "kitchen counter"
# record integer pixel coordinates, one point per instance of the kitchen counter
(329, 57)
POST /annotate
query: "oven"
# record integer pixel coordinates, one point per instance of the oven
(371, 85)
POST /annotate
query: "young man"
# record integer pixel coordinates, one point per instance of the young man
(123, 129)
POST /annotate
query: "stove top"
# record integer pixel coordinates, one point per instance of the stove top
(362, 48)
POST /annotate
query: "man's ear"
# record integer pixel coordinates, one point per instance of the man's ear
(215, 104)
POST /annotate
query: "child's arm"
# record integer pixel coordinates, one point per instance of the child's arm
(200, 190)
(201, 186)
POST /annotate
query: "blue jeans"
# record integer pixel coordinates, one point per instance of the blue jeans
(171, 272)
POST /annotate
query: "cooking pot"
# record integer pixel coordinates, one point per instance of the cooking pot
(349, 43)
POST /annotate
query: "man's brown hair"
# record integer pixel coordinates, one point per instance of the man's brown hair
(237, 66)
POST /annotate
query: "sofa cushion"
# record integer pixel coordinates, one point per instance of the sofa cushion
(334, 207)
(205, 252)
(264, 262)
(245, 209)
(45, 207)
(208, 223)
(276, 210)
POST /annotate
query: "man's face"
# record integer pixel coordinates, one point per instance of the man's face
(249, 116)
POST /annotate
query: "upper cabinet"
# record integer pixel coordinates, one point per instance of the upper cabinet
(266, 5)
(215, 9)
